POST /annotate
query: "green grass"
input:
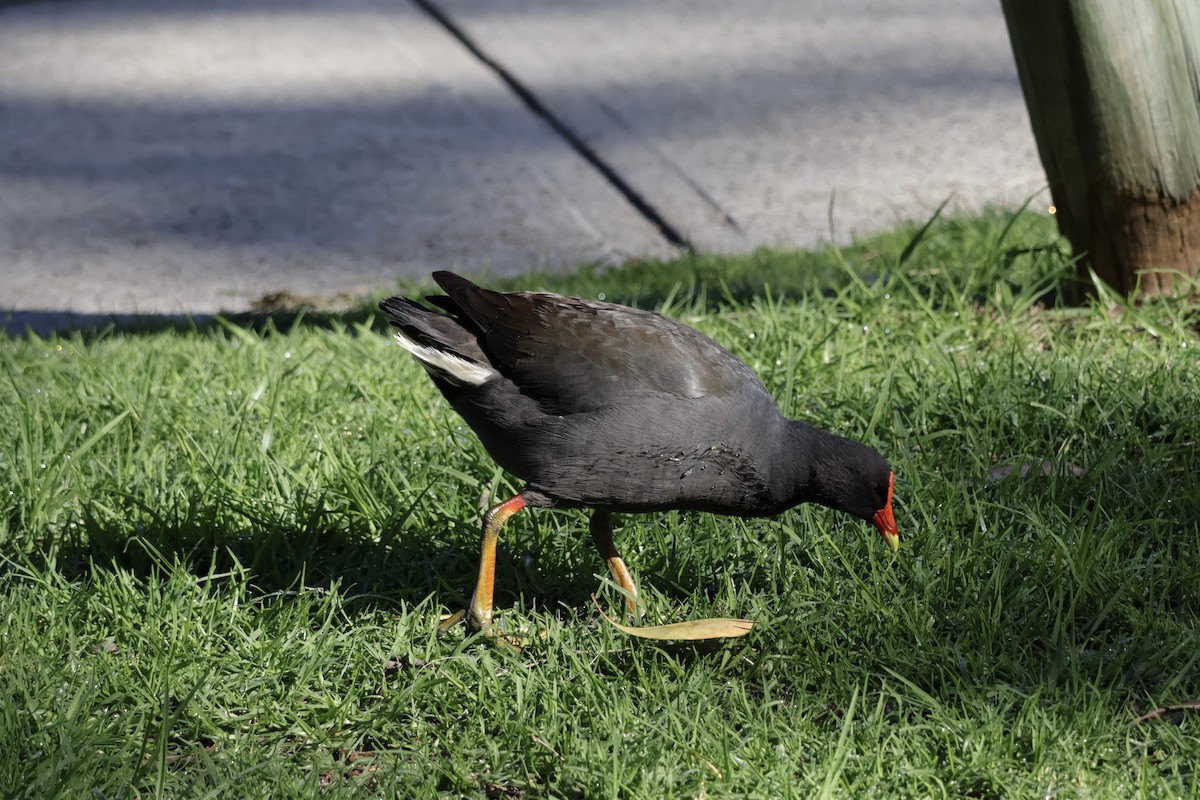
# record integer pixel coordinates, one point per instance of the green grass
(224, 552)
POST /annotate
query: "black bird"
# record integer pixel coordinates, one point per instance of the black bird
(617, 409)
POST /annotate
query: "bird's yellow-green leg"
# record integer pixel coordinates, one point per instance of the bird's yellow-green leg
(601, 528)
(478, 614)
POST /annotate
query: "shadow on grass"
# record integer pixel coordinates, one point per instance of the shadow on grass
(91, 327)
(1107, 620)
(399, 564)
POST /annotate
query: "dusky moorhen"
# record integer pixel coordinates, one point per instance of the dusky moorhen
(617, 409)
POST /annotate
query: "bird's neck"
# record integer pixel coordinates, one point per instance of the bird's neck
(810, 464)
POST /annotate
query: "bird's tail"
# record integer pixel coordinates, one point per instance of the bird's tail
(440, 343)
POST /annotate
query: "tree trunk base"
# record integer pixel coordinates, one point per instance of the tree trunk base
(1143, 244)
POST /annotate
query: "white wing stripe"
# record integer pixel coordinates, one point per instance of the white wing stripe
(459, 370)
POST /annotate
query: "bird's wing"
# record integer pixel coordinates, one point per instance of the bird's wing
(575, 355)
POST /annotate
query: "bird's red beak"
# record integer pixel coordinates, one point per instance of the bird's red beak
(885, 522)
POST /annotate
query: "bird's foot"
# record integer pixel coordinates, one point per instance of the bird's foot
(475, 621)
(493, 633)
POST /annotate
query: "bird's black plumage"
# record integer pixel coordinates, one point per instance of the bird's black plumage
(602, 405)
(618, 409)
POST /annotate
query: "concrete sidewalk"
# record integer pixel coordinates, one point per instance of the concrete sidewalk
(178, 156)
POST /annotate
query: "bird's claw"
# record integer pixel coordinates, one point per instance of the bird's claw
(472, 618)
(449, 622)
(473, 625)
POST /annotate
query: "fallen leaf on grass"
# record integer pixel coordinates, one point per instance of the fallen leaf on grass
(691, 631)
(1025, 469)
(285, 301)
(1160, 713)
(351, 768)
(1045, 469)
(394, 665)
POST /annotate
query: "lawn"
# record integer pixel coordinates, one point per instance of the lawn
(225, 550)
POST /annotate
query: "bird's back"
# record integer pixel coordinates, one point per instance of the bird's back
(603, 405)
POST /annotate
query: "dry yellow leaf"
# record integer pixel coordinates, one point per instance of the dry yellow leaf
(690, 631)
